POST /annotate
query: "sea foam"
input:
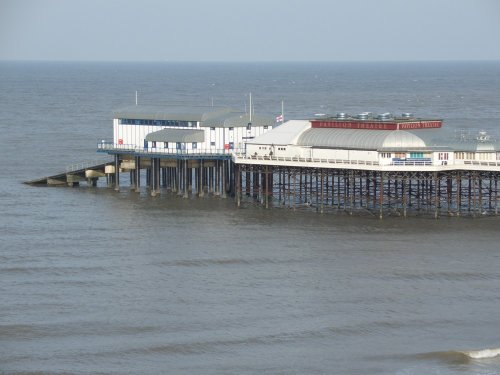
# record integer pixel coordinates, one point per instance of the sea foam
(482, 354)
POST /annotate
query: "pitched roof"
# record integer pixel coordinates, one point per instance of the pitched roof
(176, 135)
(206, 115)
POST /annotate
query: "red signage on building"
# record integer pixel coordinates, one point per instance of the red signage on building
(376, 125)
(420, 125)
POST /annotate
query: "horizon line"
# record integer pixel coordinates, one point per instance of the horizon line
(166, 61)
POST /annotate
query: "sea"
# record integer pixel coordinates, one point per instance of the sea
(95, 281)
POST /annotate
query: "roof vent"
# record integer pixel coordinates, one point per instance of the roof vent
(342, 115)
(385, 116)
(364, 116)
(483, 136)
(407, 115)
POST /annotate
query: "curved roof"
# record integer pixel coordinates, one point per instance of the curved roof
(485, 146)
(284, 134)
(360, 139)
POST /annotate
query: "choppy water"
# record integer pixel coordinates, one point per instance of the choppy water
(95, 281)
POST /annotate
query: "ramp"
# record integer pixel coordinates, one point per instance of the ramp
(88, 171)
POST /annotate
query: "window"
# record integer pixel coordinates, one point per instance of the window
(195, 145)
(153, 144)
(212, 143)
(178, 145)
(165, 144)
(484, 156)
(212, 128)
(231, 128)
(249, 126)
(416, 155)
(385, 154)
(464, 155)
(443, 156)
(265, 127)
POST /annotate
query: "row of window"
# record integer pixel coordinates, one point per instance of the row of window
(174, 123)
(178, 145)
(464, 155)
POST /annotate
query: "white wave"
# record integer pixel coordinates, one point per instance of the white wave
(482, 354)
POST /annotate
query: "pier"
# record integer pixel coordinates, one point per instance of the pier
(308, 185)
(379, 165)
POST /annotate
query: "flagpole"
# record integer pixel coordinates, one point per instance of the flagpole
(282, 111)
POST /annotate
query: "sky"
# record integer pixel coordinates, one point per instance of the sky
(251, 30)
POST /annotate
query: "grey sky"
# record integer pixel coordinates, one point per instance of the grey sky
(253, 30)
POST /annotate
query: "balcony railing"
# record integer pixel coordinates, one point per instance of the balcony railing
(110, 146)
(305, 160)
(397, 163)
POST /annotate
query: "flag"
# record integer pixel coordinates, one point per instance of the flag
(279, 118)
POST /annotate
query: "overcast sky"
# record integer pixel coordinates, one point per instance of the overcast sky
(252, 30)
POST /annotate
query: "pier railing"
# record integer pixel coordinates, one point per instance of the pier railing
(398, 163)
(305, 160)
(106, 146)
(86, 164)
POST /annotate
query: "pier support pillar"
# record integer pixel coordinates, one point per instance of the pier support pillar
(117, 172)
(381, 196)
(137, 174)
(238, 185)
(201, 189)
(186, 179)
(223, 177)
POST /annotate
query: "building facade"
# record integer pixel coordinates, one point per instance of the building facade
(383, 142)
(177, 130)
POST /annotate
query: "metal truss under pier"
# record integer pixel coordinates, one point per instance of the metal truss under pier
(380, 193)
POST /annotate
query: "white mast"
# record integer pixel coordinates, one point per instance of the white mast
(135, 97)
(251, 110)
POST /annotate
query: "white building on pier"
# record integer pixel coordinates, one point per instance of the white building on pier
(370, 143)
(175, 130)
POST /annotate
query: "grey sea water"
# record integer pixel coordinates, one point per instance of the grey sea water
(94, 281)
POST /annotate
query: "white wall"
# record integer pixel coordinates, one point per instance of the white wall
(443, 158)
(134, 135)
